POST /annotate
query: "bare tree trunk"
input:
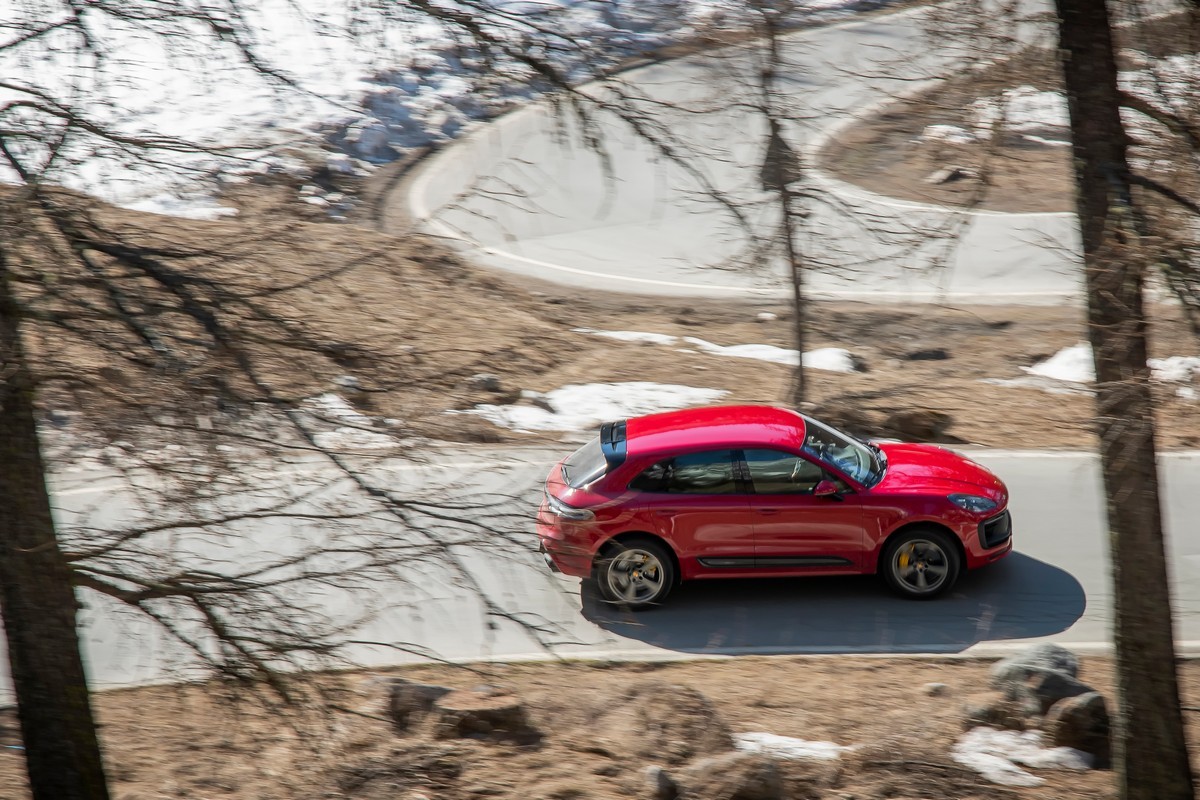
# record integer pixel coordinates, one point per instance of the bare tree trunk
(796, 273)
(781, 168)
(37, 598)
(1150, 750)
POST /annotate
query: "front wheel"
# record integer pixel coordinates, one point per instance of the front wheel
(921, 563)
(636, 573)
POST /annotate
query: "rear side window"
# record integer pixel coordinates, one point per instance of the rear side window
(585, 465)
(710, 472)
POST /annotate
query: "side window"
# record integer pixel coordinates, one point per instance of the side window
(694, 473)
(773, 472)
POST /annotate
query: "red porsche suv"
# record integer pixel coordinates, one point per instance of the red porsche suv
(749, 491)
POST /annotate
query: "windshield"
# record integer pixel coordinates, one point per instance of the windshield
(862, 462)
(585, 465)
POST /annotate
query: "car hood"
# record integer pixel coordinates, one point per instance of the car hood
(928, 468)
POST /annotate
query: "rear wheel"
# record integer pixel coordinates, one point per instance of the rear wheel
(636, 573)
(921, 563)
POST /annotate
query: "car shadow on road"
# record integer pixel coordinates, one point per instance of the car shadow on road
(1017, 598)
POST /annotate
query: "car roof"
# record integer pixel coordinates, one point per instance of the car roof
(715, 427)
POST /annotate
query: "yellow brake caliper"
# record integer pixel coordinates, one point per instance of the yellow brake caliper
(904, 557)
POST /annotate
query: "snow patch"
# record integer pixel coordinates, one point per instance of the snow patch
(1174, 369)
(831, 359)
(352, 435)
(631, 336)
(762, 352)
(1070, 370)
(587, 405)
(1048, 385)
(1072, 364)
(999, 755)
(1024, 109)
(946, 133)
(788, 747)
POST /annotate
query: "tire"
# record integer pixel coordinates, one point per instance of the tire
(635, 573)
(920, 563)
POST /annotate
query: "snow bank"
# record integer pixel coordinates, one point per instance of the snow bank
(831, 359)
(587, 405)
(787, 747)
(998, 756)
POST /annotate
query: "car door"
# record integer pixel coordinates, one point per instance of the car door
(794, 530)
(698, 503)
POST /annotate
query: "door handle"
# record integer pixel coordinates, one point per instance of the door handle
(768, 510)
(665, 512)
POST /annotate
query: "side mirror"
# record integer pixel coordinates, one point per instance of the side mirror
(825, 489)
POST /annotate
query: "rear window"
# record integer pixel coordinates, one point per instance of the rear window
(585, 465)
(693, 473)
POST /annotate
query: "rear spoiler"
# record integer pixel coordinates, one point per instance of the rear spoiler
(613, 444)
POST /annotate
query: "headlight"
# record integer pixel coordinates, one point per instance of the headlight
(561, 509)
(972, 502)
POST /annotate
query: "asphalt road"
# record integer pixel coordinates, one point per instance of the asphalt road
(1055, 585)
(524, 194)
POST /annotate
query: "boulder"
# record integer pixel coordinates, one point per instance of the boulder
(1042, 656)
(918, 425)
(1042, 674)
(853, 420)
(408, 701)
(485, 381)
(660, 722)
(484, 711)
(1081, 722)
(732, 776)
(995, 710)
(660, 785)
(930, 354)
(1047, 687)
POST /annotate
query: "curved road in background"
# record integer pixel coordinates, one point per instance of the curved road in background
(524, 195)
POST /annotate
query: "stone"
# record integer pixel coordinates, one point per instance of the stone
(936, 689)
(918, 424)
(484, 381)
(848, 418)
(732, 776)
(539, 400)
(1043, 674)
(658, 721)
(659, 784)
(994, 710)
(931, 354)
(408, 701)
(1044, 655)
(766, 316)
(482, 711)
(948, 175)
(1081, 722)
(1048, 687)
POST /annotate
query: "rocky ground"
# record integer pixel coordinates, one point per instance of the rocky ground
(576, 730)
